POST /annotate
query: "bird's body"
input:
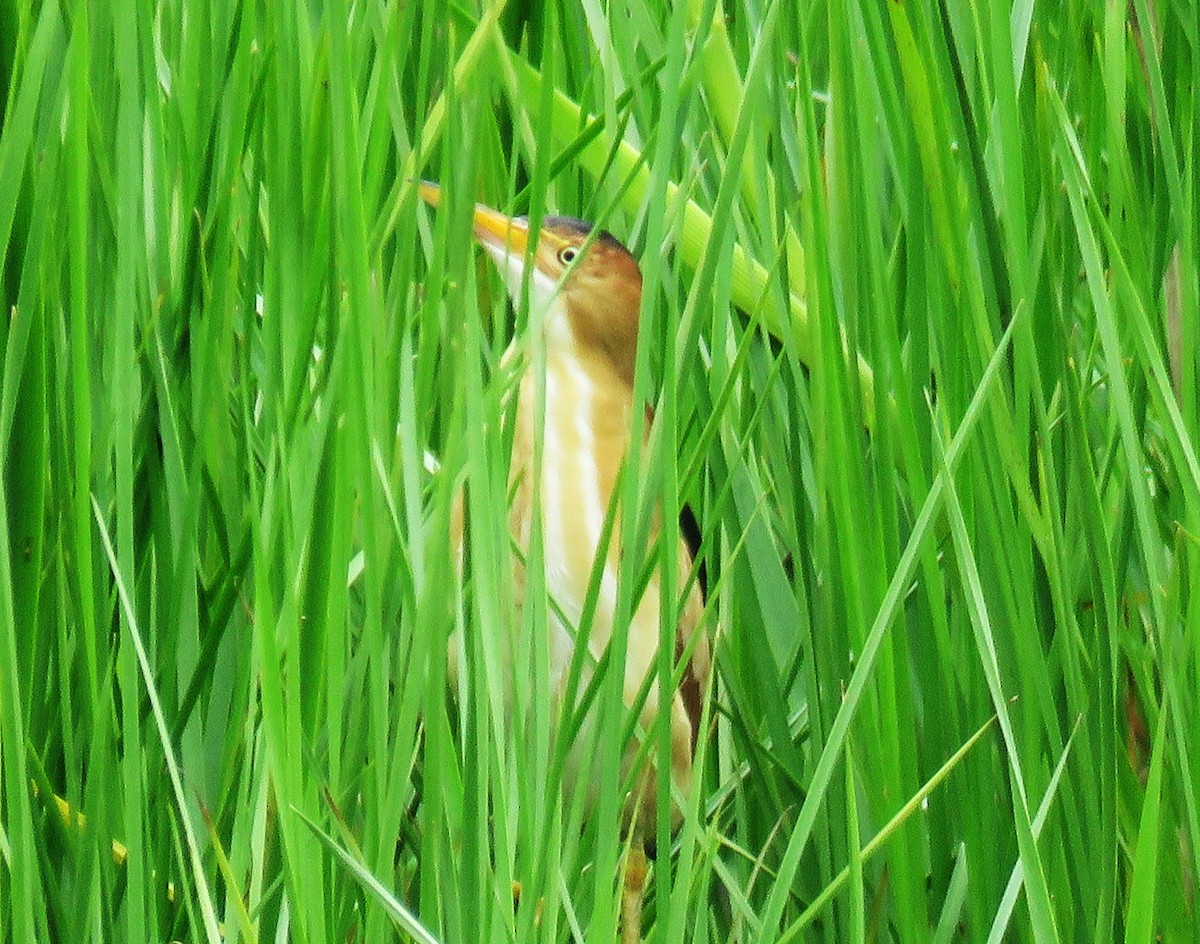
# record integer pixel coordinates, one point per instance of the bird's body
(585, 438)
(584, 298)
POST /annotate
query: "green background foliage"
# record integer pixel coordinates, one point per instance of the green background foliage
(919, 327)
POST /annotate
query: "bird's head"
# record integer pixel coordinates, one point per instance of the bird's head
(586, 294)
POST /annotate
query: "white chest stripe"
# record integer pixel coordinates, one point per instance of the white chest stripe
(573, 502)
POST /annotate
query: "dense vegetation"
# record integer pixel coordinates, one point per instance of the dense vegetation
(919, 326)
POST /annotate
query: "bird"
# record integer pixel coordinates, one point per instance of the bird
(585, 291)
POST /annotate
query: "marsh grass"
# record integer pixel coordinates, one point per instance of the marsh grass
(919, 331)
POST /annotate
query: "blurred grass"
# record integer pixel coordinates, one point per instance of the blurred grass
(920, 283)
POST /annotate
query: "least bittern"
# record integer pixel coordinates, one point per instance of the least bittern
(584, 296)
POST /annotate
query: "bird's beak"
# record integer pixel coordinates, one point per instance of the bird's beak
(507, 234)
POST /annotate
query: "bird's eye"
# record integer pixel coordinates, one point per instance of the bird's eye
(567, 255)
